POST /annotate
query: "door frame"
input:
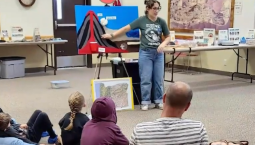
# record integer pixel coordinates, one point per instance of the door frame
(54, 14)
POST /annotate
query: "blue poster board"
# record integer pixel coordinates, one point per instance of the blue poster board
(117, 17)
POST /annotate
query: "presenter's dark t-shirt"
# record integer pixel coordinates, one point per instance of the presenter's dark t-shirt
(151, 32)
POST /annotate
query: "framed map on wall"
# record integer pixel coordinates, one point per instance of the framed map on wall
(190, 15)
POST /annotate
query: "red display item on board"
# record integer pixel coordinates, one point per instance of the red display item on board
(107, 1)
(93, 47)
(117, 3)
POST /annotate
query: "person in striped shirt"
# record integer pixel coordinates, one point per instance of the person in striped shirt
(171, 128)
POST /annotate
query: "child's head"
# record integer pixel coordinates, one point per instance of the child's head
(76, 102)
(4, 121)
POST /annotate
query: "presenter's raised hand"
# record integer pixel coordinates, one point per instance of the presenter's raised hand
(161, 48)
(106, 36)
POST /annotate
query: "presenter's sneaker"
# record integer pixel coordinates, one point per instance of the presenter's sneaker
(145, 107)
(159, 106)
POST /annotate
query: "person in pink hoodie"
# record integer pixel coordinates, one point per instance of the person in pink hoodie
(102, 128)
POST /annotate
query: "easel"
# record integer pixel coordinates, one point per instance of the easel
(98, 68)
(100, 57)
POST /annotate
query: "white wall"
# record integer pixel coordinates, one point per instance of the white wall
(39, 15)
(141, 9)
(215, 59)
(245, 21)
(226, 60)
(140, 4)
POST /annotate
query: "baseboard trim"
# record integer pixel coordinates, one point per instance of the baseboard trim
(102, 65)
(41, 69)
(36, 69)
(203, 70)
(211, 71)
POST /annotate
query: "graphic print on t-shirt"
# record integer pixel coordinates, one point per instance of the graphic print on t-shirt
(153, 34)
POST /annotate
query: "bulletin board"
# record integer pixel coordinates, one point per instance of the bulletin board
(187, 16)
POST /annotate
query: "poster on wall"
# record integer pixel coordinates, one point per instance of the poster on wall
(238, 7)
(94, 21)
(195, 15)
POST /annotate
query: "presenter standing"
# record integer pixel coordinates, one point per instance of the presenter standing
(151, 56)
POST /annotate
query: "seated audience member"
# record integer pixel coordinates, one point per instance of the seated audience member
(102, 128)
(171, 128)
(30, 132)
(72, 123)
(13, 141)
(13, 121)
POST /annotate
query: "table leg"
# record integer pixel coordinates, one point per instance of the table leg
(47, 58)
(55, 60)
(52, 56)
(172, 69)
(246, 66)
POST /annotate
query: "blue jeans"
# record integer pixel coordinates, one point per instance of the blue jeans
(151, 71)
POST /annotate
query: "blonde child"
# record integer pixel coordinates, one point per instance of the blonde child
(72, 123)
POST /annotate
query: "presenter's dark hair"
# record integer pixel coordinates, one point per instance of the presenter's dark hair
(149, 4)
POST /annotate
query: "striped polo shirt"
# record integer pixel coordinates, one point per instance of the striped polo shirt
(170, 131)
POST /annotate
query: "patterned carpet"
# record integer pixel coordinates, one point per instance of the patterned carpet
(226, 107)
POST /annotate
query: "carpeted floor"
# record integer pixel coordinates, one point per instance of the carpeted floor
(225, 107)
